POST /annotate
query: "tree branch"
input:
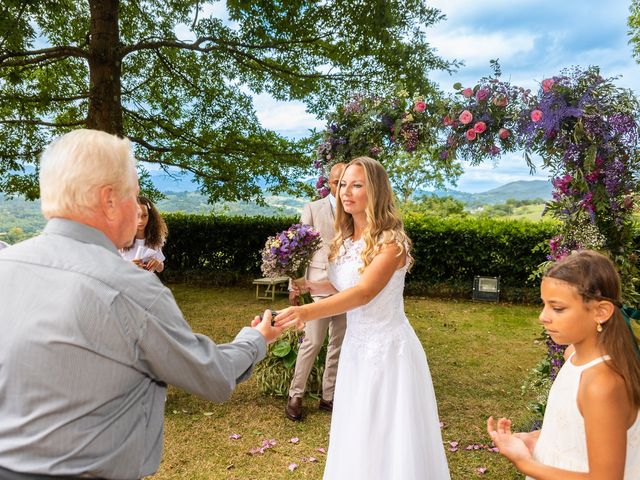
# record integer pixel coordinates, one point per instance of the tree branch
(152, 42)
(37, 56)
(189, 167)
(278, 68)
(18, 121)
(165, 61)
(230, 48)
(186, 136)
(43, 99)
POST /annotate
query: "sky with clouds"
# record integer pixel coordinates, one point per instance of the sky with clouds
(533, 40)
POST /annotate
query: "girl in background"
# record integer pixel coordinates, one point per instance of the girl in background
(591, 427)
(146, 249)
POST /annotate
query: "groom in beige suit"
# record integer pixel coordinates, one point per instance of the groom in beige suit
(321, 215)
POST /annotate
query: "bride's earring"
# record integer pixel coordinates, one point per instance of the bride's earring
(599, 327)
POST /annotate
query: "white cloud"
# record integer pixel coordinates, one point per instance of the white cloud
(287, 118)
(476, 49)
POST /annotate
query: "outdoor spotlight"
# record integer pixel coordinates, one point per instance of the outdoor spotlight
(486, 288)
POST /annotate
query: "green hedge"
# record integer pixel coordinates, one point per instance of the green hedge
(448, 252)
(217, 249)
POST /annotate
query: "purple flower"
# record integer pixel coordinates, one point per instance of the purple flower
(483, 94)
(289, 252)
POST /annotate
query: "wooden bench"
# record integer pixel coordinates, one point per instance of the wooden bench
(272, 286)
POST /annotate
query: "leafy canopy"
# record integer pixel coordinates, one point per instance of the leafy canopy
(177, 80)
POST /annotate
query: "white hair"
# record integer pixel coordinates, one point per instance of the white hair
(77, 164)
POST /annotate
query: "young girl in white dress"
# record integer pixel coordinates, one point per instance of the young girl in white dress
(146, 249)
(385, 422)
(591, 427)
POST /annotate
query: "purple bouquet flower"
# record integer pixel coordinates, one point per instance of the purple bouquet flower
(289, 253)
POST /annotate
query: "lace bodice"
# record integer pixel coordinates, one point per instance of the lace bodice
(374, 327)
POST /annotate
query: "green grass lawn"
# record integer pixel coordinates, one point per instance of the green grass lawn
(479, 355)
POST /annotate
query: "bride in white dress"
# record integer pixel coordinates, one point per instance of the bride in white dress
(385, 421)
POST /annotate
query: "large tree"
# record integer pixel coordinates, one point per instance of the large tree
(178, 81)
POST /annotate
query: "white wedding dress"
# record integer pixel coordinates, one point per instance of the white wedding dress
(385, 421)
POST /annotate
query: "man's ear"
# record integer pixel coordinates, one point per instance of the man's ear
(108, 201)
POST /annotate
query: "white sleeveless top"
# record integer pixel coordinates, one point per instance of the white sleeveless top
(563, 441)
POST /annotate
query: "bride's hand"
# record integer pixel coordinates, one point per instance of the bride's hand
(291, 317)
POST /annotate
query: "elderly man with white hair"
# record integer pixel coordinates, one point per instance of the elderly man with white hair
(89, 342)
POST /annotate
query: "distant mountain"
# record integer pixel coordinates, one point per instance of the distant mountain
(181, 196)
(185, 181)
(520, 190)
(176, 182)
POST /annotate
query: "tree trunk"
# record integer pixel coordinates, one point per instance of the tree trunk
(105, 109)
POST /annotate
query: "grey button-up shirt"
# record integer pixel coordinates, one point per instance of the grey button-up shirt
(88, 343)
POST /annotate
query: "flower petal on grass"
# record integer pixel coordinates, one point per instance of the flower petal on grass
(295, 440)
(481, 470)
(235, 436)
(292, 466)
(321, 450)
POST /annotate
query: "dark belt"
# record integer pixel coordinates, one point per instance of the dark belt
(6, 474)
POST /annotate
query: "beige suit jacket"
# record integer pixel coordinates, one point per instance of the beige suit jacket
(319, 215)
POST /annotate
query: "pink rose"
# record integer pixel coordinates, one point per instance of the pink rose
(466, 117)
(467, 93)
(480, 127)
(482, 94)
(500, 101)
(420, 106)
(547, 84)
(447, 120)
(504, 133)
(471, 134)
(536, 116)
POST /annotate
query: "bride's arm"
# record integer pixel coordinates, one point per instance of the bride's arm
(374, 278)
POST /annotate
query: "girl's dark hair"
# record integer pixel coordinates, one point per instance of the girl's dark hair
(156, 232)
(596, 278)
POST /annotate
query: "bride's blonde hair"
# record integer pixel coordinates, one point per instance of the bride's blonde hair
(384, 225)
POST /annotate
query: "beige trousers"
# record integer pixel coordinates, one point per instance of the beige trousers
(314, 335)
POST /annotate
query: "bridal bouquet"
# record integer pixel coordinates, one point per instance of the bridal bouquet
(289, 253)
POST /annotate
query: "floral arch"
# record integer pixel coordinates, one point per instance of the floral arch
(581, 124)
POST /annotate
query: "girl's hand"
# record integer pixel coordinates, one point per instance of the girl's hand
(291, 317)
(511, 446)
(137, 262)
(154, 265)
(529, 438)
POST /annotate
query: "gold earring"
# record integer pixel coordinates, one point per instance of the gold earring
(599, 327)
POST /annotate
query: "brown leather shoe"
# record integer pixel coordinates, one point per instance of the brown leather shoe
(293, 409)
(326, 405)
